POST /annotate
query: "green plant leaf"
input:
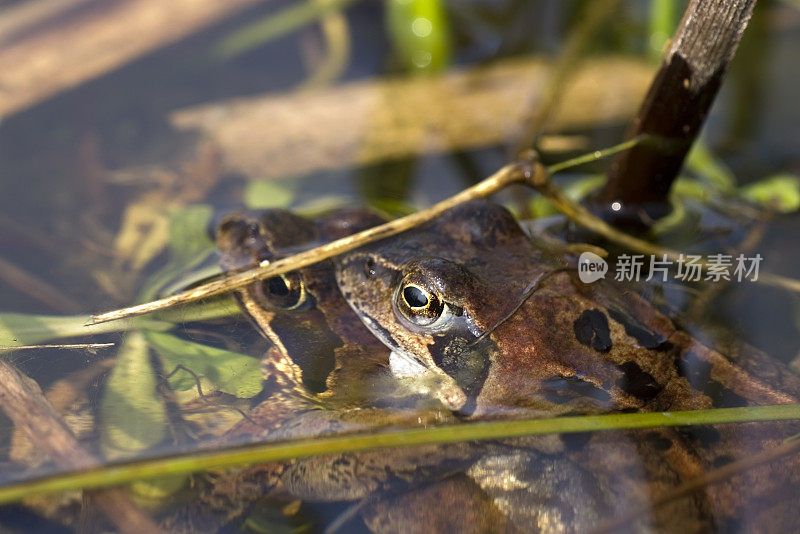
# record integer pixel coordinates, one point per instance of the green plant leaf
(24, 329)
(188, 246)
(133, 416)
(267, 194)
(187, 232)
(223, 370)
(703, 163)
(780, 192)
(27, 329)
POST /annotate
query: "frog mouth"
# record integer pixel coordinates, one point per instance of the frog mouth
(426, 380)
(404, 365)
(422, 377)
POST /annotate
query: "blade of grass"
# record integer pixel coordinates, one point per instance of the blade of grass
(275, 26)
(663, 19)
(123, 473)
(18, 330)
(21, 329)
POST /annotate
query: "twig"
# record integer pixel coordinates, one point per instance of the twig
(676, 106)
(579, 214)
(701, 302)
(783, 282)
(582, 216)
(594, 17)
(527, 170)
(87, 346)
(23, 403)
(512, 173)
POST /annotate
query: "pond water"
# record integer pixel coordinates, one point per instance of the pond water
(111, 190)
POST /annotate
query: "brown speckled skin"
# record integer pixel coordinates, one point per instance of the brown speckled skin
(490, 264)
(571, 347)
(327, 324)
(485, 263)
(320, 340)
(568, 500)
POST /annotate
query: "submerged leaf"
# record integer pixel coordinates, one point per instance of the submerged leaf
(143, 233)
(188, 243)
(702, 162)
(24, 329)
(267, 194)
(220, 369)
(780, 192)
(187, 232)
(133, 416)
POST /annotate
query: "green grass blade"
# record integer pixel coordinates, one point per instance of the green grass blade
(663, 19)
(24, 329)
(116, 474)
(274, 26)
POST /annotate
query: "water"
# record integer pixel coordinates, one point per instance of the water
(72, 166)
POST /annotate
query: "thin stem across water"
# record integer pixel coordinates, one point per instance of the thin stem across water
(183, 463)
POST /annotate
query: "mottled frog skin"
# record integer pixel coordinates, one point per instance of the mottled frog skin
(510, 331)
(506, 489)
(323, 361)
(301, 312)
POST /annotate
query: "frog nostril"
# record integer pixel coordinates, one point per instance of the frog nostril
(369, 268)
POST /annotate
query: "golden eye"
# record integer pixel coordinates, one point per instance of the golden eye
(418, 303)
(286, 291)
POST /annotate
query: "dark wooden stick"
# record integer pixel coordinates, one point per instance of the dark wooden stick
(675, 107)
(22, 401)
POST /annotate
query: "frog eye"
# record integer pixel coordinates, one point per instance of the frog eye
(418, 303)
(286, 291)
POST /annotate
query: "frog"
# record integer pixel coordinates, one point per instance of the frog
(320, 354)
(312, 349)
(395, 491)
(471, 297)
